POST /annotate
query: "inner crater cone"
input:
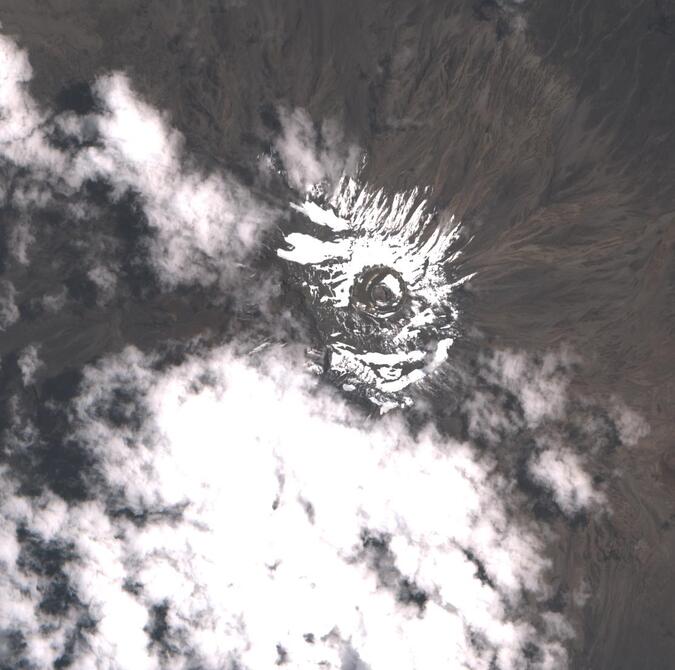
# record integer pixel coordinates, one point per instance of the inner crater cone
(379, 291)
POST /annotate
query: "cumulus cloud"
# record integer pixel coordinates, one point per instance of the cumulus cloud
(29, 363)
(54, 302)
(630, 425)
(9, 312)
(558, 440)
(22, 139)
(26, 195)
(540, 386)
(562, 472)
(517, 392)
(242, 514)
(202, 222)
(105, 280)
(312, 156)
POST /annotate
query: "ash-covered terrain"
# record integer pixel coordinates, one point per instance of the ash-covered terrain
(337, 335)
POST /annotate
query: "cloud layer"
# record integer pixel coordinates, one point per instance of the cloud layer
(199, 223)
(242, 514)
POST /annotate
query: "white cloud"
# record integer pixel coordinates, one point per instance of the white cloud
(538, 385)
(311, 157)
(26, 195)
(21, 238)
(487, 418)
(563, 473)
(629, 424)
(29, 363)
(22, 139)
(9, 312)
(204, 222)
(539, 422)
(105, 280)
(54, 302)
(257, 485)
(541, 387)
(426, 495)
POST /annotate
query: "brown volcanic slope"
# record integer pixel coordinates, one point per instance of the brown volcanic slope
(548, 129)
